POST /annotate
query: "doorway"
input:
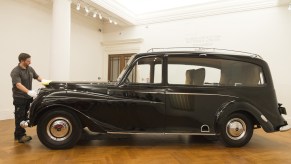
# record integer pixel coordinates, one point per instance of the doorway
(116, 63)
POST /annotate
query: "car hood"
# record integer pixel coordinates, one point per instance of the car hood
(77, 85)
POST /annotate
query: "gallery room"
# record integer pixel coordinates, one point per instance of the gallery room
(145, 81)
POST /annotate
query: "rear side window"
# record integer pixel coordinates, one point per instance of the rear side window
(213, 72)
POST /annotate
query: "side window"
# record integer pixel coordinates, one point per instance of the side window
(236, 73)
(213, 72)
(146, 70)
(193, 74)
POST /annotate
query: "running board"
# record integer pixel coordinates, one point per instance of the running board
(201, 134)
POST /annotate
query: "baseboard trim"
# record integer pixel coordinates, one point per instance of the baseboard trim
(6, 114)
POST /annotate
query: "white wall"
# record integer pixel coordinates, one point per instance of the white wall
(26, 27)
(86, 50)
(266, 32)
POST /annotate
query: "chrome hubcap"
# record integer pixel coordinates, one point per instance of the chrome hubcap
(59, 128)
(236, 128)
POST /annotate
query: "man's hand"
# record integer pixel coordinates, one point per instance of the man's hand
(45, 82)
(32, 93)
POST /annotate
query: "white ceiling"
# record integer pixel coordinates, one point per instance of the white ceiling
(138, 7)
(137, 12)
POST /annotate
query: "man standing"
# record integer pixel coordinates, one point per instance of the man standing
(22, 76)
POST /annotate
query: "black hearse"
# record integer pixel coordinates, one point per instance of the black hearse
(199, 91)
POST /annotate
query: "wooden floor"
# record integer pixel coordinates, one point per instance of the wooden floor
(161, 149)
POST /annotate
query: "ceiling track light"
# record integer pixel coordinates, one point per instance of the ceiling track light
(78, 6)
(86, 9)
(289, 7)
(94, 14)
(89, 8)
(100, 16)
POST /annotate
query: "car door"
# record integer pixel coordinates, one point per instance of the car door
(139, 104)
(192, 94)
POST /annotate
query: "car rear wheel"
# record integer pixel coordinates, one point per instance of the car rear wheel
(236, 130)
(59, 129)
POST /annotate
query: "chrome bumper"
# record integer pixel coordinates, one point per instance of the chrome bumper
(25, 124)
(285, 128)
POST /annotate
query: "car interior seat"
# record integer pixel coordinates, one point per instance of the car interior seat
(195, 76)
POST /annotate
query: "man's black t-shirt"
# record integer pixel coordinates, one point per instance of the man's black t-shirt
(23, 76)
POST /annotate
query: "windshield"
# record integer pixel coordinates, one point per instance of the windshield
(125, 68)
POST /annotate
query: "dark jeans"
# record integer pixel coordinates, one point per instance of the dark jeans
(21, 108)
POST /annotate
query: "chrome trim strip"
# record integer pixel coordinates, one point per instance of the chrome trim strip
(264, 118)
(145, 101)
(206, 134)
(179, 93)
(150, 92)
(203, 50)
(202, 94)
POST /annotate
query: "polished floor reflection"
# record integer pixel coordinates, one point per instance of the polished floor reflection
(160, 149)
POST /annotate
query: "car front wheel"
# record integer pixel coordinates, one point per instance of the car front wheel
(236, 130)
(59, 129)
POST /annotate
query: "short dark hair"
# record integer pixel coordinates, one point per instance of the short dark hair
(23, 56)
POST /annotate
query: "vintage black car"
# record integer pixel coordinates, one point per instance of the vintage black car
(206, 92)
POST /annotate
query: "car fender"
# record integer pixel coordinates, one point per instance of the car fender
(88, 121)
(243, 107)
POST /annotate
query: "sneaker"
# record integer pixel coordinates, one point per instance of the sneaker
(24, 139)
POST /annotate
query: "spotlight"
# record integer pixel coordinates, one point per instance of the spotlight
(100, 16)
(95, 14)
(86, 9)
(78, 6)
(289, 8)
(110, 21)
(115, 23)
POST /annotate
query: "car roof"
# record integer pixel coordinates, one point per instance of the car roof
(213, 52)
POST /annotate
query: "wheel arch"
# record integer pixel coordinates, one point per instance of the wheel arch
(245, 108)
(85, 120)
